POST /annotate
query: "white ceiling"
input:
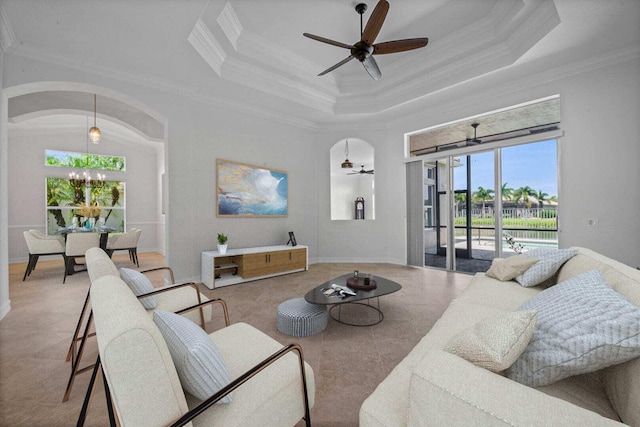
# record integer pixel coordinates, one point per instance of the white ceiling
(232, 51)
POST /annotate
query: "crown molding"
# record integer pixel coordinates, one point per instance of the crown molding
(533, 27)
(207, 46)
(7, 36)
(272, 83)
(230, 24)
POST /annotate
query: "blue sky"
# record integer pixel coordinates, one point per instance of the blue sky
(533, 164)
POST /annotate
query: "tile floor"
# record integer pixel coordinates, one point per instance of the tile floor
(348, 362)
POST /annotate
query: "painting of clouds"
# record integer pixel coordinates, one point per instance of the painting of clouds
(249, 191)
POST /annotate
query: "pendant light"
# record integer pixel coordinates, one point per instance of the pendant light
(346, 164)
(94, 133)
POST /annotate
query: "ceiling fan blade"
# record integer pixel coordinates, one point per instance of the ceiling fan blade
(374, 24)
(399, 46)
(371, 66)
(328, 41)
(344, 61)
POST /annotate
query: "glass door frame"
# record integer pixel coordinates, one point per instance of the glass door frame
(447, 159)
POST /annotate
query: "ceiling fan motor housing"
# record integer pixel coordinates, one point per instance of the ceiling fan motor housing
(361, 51)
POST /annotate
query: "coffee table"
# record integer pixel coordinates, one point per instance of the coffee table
(384, 287)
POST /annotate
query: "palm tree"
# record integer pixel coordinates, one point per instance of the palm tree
(507, 192)
(523, 193)
(459, 199)
(483, 194)
(540, 197)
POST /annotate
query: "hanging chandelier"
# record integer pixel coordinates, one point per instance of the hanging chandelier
(94, 133)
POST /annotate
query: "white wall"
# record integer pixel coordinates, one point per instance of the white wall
(599, 152)
(27, 175)
(5, 302)
(598, 161)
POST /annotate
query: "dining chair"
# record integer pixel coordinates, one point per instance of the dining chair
(77, 245)
(125, 241)
(41, 244)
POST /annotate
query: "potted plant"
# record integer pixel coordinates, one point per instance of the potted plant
(222, 243)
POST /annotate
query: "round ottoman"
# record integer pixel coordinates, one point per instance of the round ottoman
(298, 318)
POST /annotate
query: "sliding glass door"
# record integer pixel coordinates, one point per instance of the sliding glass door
(491, 203)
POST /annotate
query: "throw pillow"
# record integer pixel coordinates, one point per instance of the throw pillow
(505, 269)
(583, 325)
(199, 364)
(495, 343)
(139, 284)
(549, 262)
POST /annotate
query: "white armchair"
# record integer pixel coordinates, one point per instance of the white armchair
(41, 244)
(270, 385)
(125, 241)
(76, 246)
(169, 297)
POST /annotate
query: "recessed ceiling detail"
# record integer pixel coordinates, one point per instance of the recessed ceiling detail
(496, 38)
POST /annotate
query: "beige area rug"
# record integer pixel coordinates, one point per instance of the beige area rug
(348, 361)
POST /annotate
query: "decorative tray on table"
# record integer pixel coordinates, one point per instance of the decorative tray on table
(359, 283)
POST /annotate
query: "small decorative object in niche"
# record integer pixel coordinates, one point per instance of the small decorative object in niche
(250, 191)
(292, 239)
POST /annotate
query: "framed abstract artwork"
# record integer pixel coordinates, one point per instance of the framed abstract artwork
(244, 190)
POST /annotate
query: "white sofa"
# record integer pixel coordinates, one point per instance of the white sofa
(142, 377)
(431, 387)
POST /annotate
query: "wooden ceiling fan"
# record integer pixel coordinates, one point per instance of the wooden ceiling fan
(364, 49)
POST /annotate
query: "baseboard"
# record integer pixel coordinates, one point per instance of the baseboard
(323, 260)
(5, 309)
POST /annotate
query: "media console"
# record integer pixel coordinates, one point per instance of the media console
(243, 265)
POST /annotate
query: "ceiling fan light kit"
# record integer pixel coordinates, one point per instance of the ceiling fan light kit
(364, 49)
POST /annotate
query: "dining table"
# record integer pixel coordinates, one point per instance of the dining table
(101, 229)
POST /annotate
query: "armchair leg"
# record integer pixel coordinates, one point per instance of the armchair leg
(72, 348)
(74, 366)
(87, 397)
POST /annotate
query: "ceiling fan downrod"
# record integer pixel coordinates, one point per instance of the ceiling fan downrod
(361, 8)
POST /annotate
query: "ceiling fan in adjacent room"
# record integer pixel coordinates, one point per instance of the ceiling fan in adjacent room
(364, 49)
(362, 171)
(475, 139)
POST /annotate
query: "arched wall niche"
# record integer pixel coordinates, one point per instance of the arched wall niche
(350, 184)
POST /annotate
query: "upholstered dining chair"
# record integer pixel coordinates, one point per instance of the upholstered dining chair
(41, 244)
(76, 246)
(125, 241)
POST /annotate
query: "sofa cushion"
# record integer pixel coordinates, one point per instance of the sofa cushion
(549, 262)
(506, 296)
(495, 343)
(583, 325)
(200, 366)
(505, 269)
(139, 285)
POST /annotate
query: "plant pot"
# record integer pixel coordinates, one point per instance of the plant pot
(222, 249)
